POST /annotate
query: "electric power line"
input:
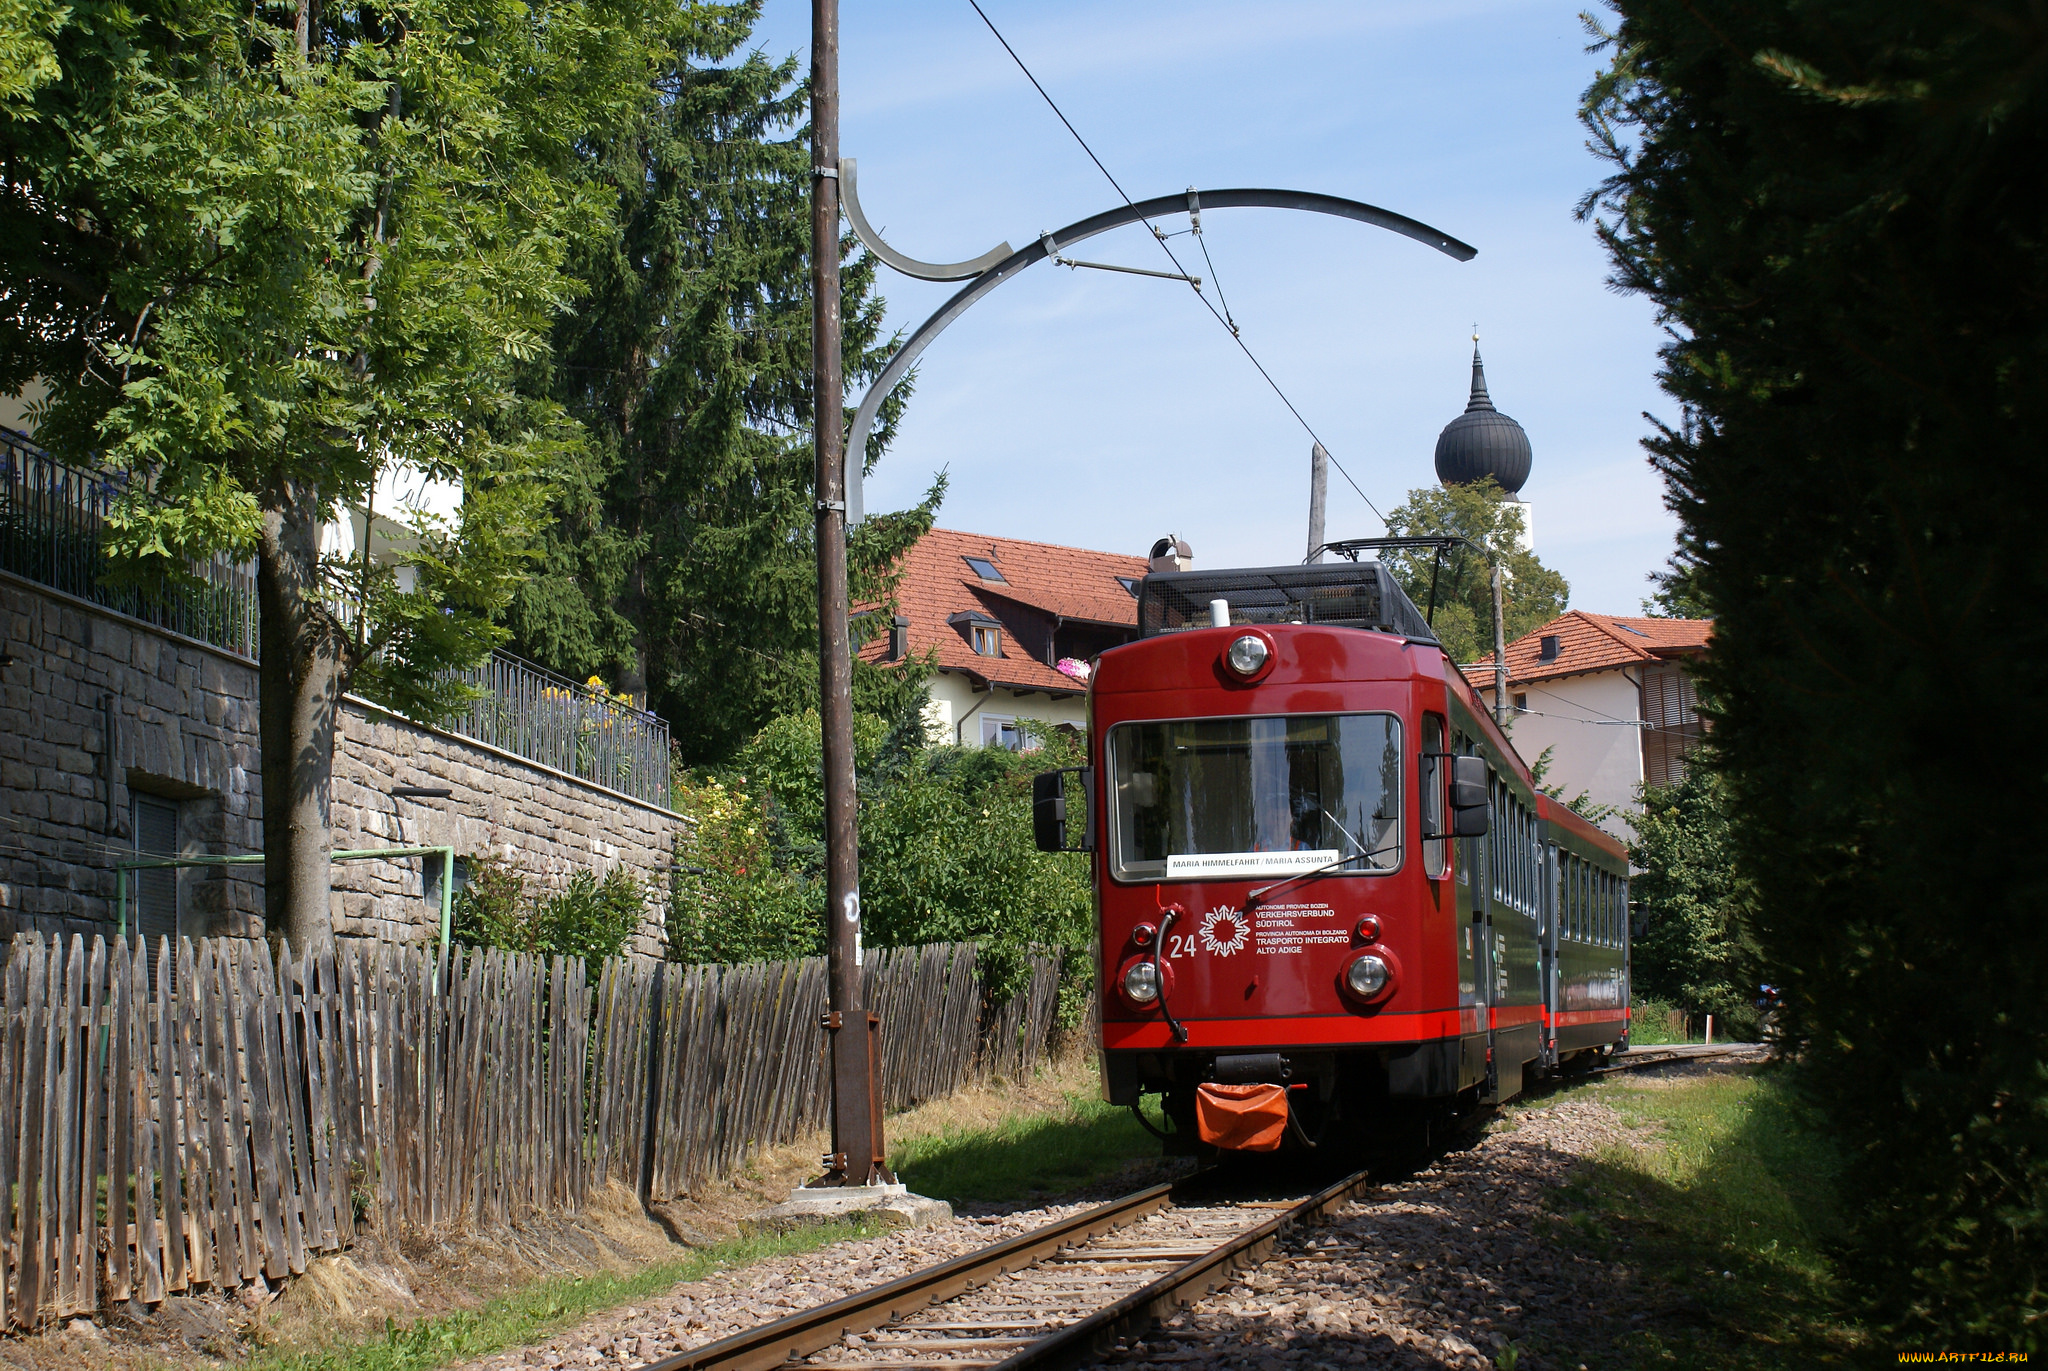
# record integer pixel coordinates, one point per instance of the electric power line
(1229, 326)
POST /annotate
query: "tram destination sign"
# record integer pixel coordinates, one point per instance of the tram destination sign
(1196, 866)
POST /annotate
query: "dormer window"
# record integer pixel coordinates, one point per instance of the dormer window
(984, 568)
(983, 633)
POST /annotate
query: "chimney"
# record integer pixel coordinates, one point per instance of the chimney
(899, 638)
(1172, 554)
(1549, 650)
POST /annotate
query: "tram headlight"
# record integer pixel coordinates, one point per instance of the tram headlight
(1367, 976)
(1141, 982)
(1247, 655)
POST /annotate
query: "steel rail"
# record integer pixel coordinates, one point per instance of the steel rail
(799, 1335)
(1087, 1338)
(812, 1330)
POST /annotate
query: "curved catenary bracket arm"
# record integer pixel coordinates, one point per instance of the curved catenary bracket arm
(849, 199)
(1009, 266)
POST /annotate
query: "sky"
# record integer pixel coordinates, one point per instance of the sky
(1104, 410)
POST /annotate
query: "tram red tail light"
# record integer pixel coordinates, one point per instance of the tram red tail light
(1369, 929)
(1143, 934)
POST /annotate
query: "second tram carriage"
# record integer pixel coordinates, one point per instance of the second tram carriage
(1329, 894)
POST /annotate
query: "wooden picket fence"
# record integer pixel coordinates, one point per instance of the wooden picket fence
(232, 1115)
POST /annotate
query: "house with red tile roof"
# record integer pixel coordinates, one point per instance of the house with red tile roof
(1011, 626)
(1611, 696)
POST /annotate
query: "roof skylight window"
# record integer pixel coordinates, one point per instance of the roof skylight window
(1129, 583)
(1626, 629)
(984, 568)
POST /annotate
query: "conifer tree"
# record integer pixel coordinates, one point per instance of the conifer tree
(1836, 207)
(679, 561)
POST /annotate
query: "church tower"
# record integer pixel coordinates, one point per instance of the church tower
(1483, 442)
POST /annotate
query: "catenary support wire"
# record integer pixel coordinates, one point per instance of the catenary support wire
(1229, 326)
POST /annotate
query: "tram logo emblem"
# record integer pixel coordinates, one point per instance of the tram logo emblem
(1224, 931)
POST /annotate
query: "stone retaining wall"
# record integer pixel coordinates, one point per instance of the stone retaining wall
(183, 719)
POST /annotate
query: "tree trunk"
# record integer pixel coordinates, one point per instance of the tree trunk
(302, 676)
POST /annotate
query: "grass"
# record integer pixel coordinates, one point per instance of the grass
(1729, 1216)
(1047, 1135)
(536, 1311)
(1067, 1144)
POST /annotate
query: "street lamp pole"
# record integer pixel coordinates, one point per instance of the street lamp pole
(856, 1157)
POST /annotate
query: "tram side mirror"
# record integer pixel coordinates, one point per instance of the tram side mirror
(1049, 810)
(1469, 797)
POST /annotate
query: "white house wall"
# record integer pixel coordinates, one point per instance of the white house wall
(1587, 721)
(954, 701)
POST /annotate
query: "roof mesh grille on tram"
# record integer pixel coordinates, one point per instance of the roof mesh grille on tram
(1343, 595)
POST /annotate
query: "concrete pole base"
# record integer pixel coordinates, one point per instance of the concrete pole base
(892, 1206)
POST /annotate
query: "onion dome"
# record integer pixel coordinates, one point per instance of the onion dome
(1482, 441)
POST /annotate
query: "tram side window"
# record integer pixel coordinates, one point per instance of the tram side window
(1571, 898)
(1499, 845)
(1436, 852)
(1579, 899)
(1586, 903)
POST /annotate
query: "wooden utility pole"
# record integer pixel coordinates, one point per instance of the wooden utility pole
(1501, 710)
(1318, 493)
(857, 1157)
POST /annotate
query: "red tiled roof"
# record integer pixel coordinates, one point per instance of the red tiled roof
(1593, 642)
(1069, 583)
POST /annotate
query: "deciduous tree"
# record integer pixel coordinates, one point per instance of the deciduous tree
(1531, 593)
(264, 253)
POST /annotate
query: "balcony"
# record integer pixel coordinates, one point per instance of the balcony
(51, 518)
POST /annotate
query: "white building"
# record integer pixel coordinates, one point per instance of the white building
(1610, 696)
(1012, 626)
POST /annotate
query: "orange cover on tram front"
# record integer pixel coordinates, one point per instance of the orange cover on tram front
(1241, 1118)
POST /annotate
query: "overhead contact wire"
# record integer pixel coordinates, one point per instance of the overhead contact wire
(1228, 325)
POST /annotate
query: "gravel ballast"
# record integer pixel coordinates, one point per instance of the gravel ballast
(1449, 1267)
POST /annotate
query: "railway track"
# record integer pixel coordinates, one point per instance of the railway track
(1063, 1294)
(1054, 1297)
(1640, 1058)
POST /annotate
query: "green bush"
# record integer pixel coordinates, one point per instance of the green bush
(589, 918)
(1692, 946)
(946, 851)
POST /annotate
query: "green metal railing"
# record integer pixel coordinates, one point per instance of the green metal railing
(446, 854)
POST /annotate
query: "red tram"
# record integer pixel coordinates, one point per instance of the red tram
(1329, 896)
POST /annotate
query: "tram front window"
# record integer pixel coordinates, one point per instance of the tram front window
(1239, 794)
